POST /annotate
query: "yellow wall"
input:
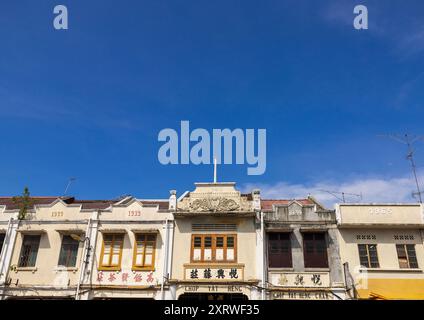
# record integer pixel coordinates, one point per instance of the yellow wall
(393, 289)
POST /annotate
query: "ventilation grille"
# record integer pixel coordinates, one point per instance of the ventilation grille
(366, 237)
(213, 227)
(403, 237)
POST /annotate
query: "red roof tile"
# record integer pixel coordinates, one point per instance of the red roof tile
(94, 204)
(11, 205)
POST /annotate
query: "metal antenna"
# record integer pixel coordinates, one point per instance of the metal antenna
(409, 141)
(343, 194)
(69, 183)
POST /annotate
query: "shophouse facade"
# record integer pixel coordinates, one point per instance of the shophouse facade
(42, 253)
(381, 246)
(212, 243)
(90, 249)
(302, 257)
(217, 244)
(132, 251)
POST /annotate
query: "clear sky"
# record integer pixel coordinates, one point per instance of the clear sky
(90, 101)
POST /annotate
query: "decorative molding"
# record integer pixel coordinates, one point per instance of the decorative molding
(215, 204)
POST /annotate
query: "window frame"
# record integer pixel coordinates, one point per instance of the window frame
(213, 247)
(77, 243)
(3, 236)
(110, 267)
(34, 244)
(367, 247)
(290, 249)
(144, 267)
(314, 254)
(405, 246)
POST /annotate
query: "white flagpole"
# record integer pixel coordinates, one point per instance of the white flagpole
(214, 170)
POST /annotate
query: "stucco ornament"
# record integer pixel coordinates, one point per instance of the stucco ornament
(283, 280)
(214, 204)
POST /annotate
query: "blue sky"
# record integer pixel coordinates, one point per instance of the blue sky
(90, 101)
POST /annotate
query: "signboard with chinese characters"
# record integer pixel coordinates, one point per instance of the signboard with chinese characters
(133, 278)
(214, 273)
(300, 279)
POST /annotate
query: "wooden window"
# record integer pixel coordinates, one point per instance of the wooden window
(68, 252)
(279, 250)
(213, 248)
(406, 256)
(111, 255)
(207, 248)
(144, 252)
(315, 250)
(368, 255)
(230, 249)
(220, 248)
(29, 251)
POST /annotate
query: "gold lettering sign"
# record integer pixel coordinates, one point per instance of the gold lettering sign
(214, 273)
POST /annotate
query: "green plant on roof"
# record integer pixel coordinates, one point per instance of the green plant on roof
(24, 202)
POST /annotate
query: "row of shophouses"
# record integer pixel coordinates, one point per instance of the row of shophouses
(214, 243)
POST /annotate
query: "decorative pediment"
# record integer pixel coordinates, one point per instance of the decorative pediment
(295, 208)
(215, 197)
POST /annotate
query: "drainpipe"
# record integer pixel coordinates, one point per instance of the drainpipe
(170, 255)
(349, 280)
(83, 260)
(263, 256)
(165, 260)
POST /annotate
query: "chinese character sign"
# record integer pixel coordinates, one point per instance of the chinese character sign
(301, 279)
(214, 273)
(142, 278)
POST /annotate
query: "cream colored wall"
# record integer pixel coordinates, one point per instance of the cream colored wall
(381, 214)
(127, 256)
(246, 243)
(5, 216)
(130, 218)
(121, 213)
(386, 250)
(47, 220)
(46, 271)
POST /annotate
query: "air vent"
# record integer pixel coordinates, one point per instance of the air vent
(403, 237)
(366, 237)
(213, 227)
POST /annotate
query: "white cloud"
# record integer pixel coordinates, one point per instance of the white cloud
(397, 189)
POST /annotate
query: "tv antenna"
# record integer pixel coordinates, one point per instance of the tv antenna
(409, 141)
(340, 195)
(68, 185)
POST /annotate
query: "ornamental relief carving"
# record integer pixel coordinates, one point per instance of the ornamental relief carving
(214, 204)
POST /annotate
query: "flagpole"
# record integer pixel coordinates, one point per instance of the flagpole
(214, 170)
